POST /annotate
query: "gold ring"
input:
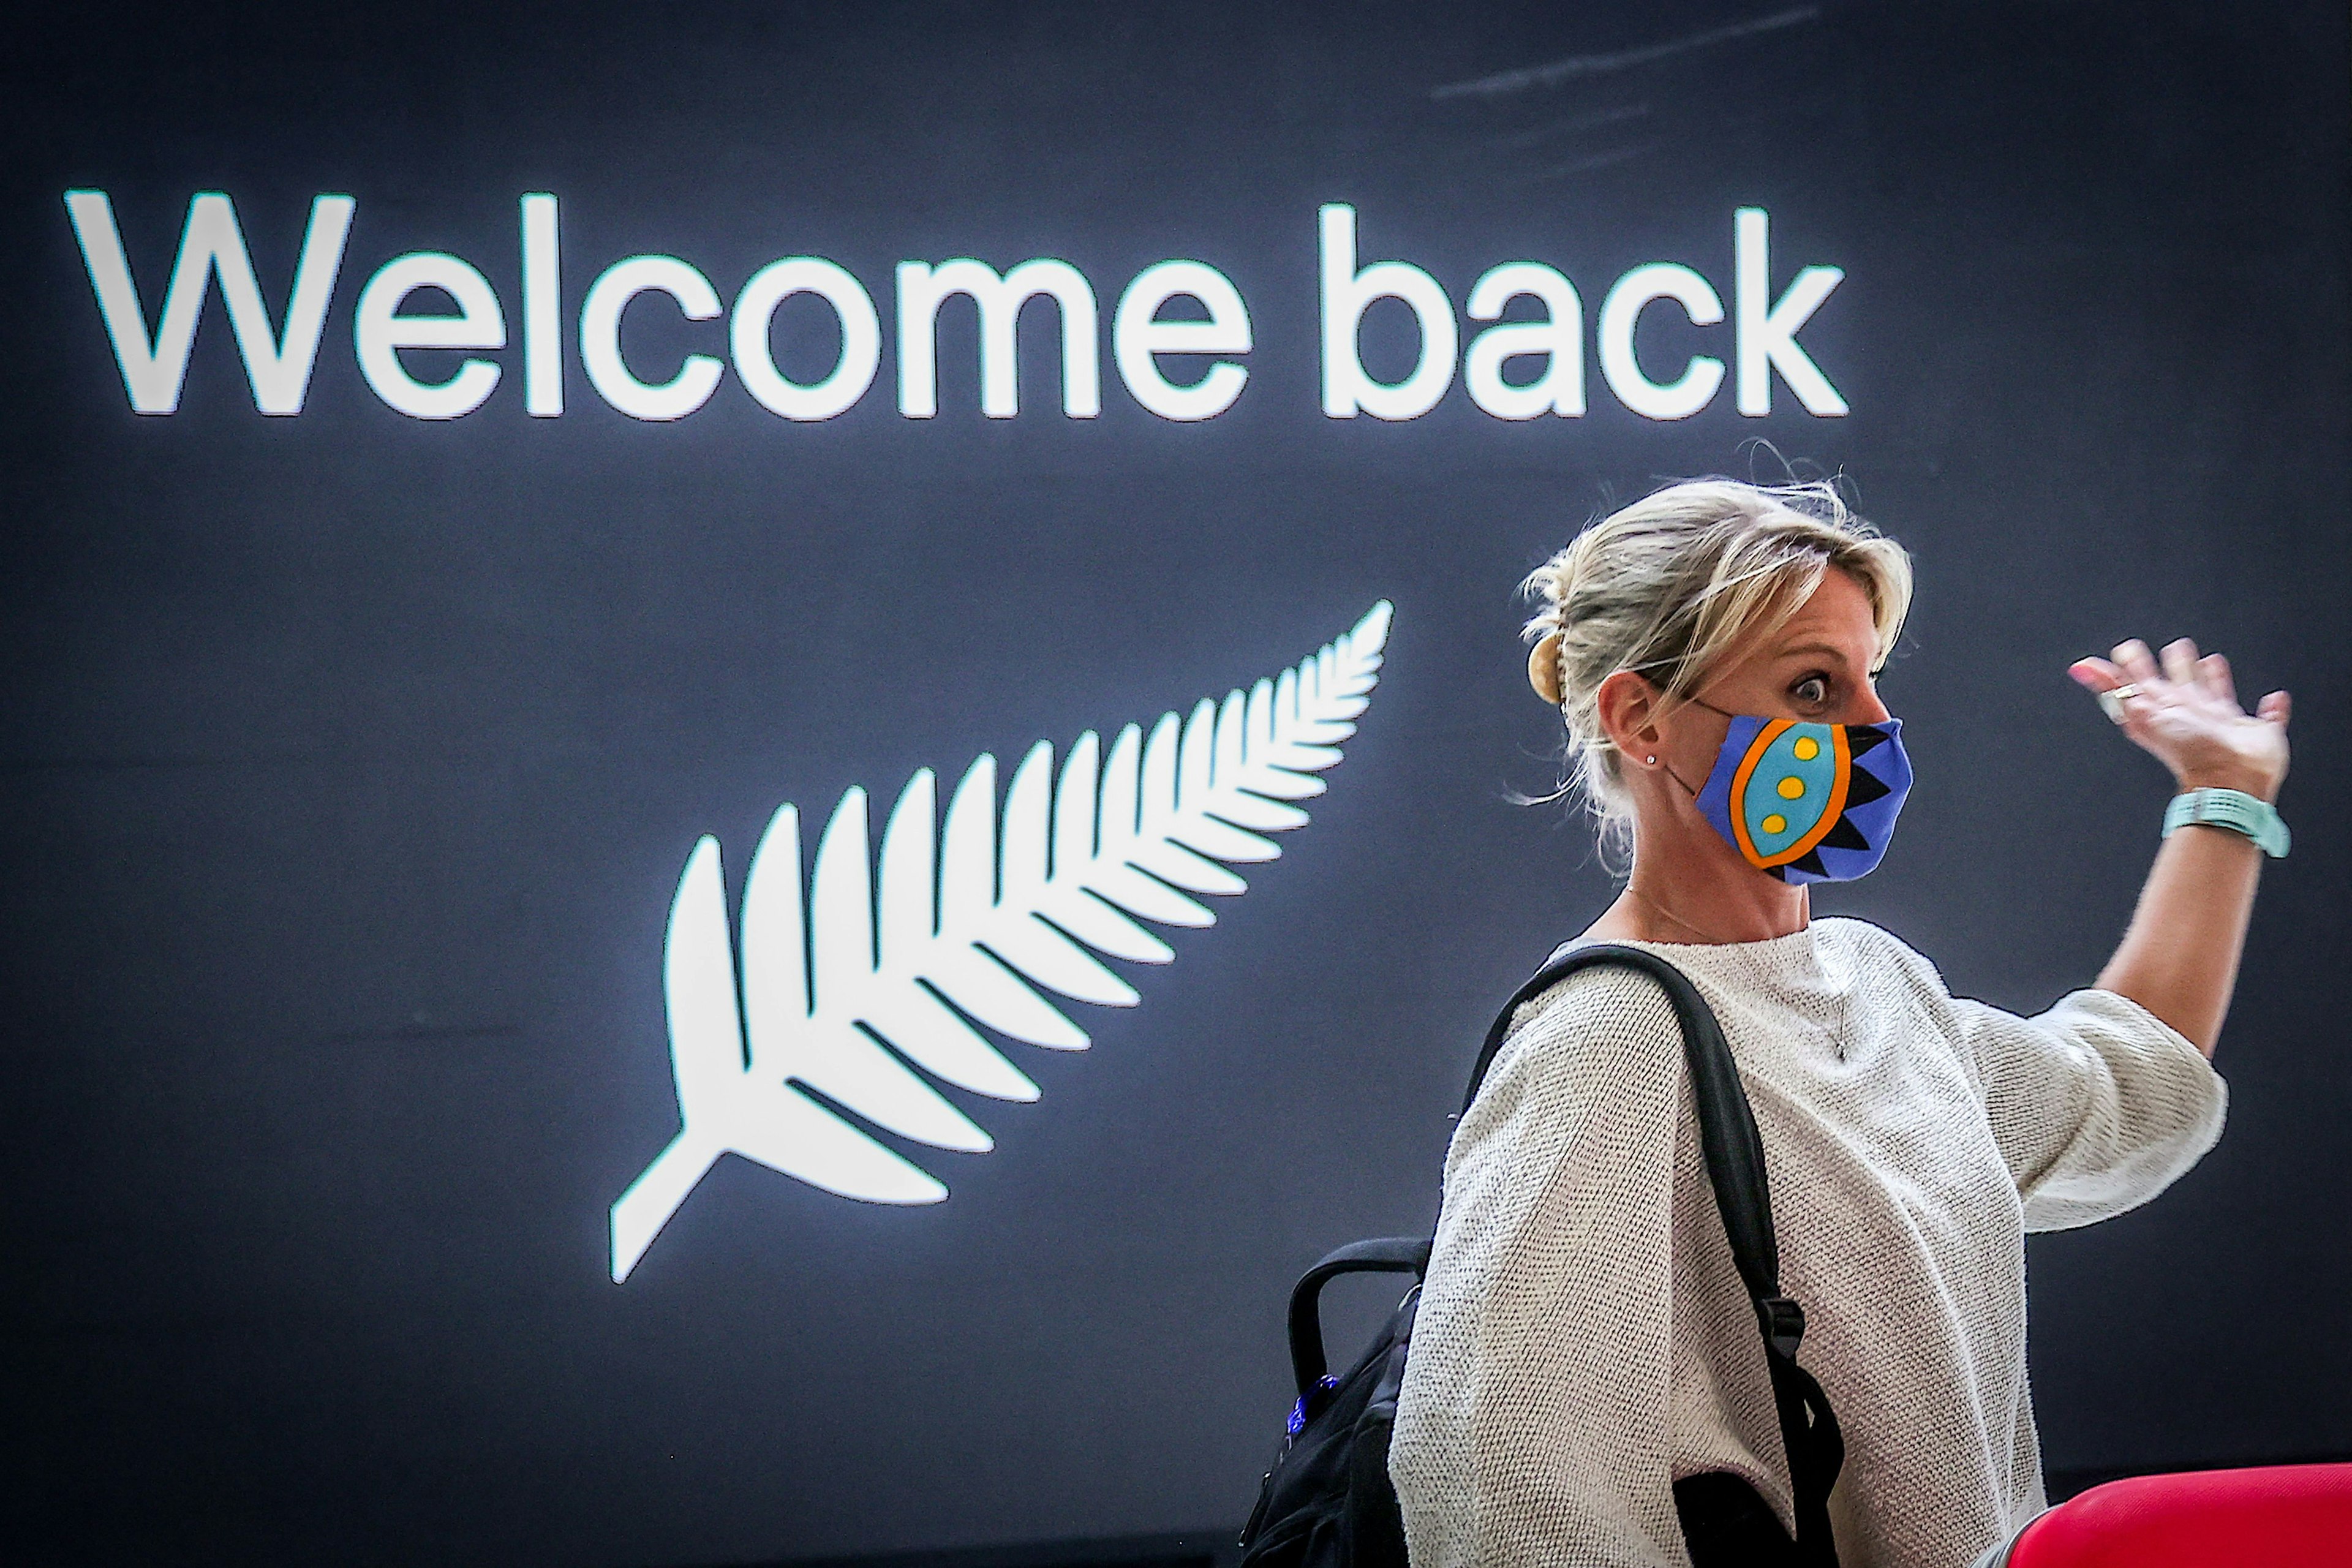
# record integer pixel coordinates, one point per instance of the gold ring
(2112, 702)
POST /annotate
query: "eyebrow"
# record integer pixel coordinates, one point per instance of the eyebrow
(1813, 648)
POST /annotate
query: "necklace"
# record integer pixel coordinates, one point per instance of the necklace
(1641, 897)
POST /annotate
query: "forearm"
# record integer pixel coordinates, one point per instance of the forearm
(2179, 957)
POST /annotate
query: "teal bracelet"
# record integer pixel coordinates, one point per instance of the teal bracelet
(2234, 809)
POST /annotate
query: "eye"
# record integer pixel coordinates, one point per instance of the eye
(1811, 690)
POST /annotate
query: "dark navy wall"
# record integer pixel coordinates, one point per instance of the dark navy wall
(347, 763)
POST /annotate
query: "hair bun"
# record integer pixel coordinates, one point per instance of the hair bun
(1543, 669)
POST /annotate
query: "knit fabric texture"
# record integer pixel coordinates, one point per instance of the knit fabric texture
(1583, 1338)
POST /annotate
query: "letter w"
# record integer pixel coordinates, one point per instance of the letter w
(279, 369)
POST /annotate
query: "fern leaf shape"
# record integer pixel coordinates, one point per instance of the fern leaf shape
(860, 990)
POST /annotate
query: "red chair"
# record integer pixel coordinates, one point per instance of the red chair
(2280, 1516)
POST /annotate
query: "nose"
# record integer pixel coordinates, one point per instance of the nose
(1867, 708)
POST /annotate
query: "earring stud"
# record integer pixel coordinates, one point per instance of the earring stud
(1652, 761)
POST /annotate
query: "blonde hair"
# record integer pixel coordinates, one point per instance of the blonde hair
(1666, 586)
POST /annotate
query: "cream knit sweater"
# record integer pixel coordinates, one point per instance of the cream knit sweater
(1583, 1340)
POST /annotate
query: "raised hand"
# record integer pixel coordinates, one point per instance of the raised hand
(2185, 713)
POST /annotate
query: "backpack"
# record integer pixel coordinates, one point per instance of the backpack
(1328, 1501)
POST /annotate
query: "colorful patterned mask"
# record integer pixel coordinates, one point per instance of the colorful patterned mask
(1809, 802)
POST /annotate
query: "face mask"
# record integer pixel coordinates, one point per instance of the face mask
(1807, 803)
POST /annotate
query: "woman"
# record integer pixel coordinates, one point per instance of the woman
(1583, 1341)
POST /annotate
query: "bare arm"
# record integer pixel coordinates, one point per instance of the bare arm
(2179, 956)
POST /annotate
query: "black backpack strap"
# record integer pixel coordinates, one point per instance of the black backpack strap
(1387, 1255)
(1735, 1168)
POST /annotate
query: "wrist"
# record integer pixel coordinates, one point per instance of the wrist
(2229, 811)
(2247, 781)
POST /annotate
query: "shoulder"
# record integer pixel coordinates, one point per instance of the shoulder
(1598, 1049)
(1602, 1023)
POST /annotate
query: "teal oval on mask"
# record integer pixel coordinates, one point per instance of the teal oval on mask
(1791, 785)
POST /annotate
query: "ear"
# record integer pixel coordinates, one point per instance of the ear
(1629, 711)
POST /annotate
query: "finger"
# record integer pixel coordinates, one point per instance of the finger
(2107, 683)
(2096, 674)
(2181, 662)
(2215, 671)
(2139, 664)
(2278, 707)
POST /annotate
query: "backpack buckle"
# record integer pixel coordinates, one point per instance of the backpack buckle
(1784, 1323)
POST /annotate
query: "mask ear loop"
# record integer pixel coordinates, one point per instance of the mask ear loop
(1711, 708)
(1678, 779)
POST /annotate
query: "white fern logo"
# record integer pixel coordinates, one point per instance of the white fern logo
(971, 922)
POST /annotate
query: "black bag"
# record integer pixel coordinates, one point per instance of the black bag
(1328, 1501)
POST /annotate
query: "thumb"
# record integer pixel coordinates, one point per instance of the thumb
(2276, 707)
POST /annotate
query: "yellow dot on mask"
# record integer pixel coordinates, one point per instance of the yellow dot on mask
(1807, 749)
(1791, 787)
(1776, 823)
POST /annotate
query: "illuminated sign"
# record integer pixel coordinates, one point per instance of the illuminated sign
(1216, 328)
(970, 923)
